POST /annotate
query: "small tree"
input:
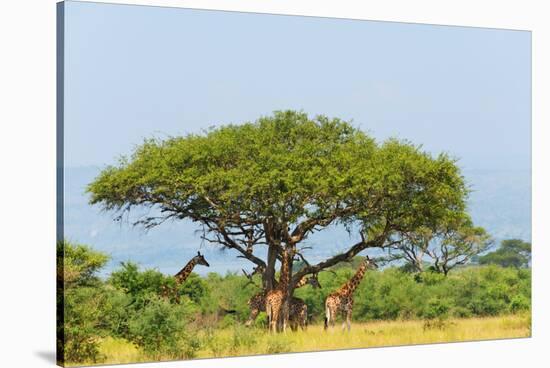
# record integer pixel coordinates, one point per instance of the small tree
(451, 244)
(511, 253)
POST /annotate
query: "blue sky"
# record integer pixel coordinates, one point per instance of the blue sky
(134, 72)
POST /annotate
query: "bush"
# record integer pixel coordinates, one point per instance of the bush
(436, 308)
(230, 292)
(519, 303)
(140, 285)
(82, 318)
(160, 330)
(392, 293)
(81, 300)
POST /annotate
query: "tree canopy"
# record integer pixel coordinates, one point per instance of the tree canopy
(272, 182)
(511, 253)
(441, 249)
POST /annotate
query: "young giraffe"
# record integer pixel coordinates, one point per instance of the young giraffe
(298, 308)
(342, 299)
(277, 300)
(296, 313)
(183, 274)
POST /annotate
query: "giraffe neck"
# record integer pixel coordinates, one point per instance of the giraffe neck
(185, 271)
(285, 272)
(352, 284)
(301, 283)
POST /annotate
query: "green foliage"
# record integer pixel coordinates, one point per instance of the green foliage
(436, 308)
(286, 169)
(393, 294)
(452, 243)
(78, 264)
(231, 292)
(140, 285)
(159, 329)
(82, 321)
(520, 303)
(147, 318)
(511, 253)
(243, 337)
(195, 288)
(80, 302)
(130, 305)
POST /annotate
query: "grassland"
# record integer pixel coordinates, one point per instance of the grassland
(240, 341)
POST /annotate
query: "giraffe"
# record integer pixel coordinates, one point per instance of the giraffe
(258, 301)
(342, 299)
(298, 314)
(277, 299)
(183, 274)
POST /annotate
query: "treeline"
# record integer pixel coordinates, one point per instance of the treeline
(132, 304)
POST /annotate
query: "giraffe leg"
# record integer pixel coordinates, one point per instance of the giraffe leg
(349, 313)
(327, 316)
(303, 319)
(348, 319)
(269, 313)
(344, 315)
(274, 319)
(285, 315)
(253, 315)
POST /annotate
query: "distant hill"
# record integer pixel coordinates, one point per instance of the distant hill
(500, 202)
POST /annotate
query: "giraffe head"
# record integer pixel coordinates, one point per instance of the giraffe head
(370, 263)
(199, 259)
(314, 281)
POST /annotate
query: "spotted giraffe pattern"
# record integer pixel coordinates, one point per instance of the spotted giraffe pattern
(276, 300)
(257, 303)
(298, 314)
(182, 275)
(342, 299)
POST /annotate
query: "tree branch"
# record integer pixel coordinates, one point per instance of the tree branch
(346, 256)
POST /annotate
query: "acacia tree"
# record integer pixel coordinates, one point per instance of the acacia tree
(511, 253)
(450, 245)
(272, 182)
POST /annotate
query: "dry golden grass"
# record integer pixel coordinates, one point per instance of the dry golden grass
(241, 341)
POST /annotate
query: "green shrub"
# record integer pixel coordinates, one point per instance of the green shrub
(436, 308)
(519, 303)
(82, 318)
(227, 321)
(160, 329)
(261, 321)
(81, 299)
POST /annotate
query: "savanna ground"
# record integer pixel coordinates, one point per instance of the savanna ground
(239, 341)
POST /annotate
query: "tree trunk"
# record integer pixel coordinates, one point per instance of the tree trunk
(269, 274)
